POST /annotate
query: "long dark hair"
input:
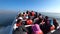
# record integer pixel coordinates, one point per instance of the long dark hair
(55, 22)
(18, 21)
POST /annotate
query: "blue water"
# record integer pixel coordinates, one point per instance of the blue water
(53, 15)
(6, 21)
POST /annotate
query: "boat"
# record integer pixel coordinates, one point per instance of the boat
(9, 28)
(50, 18)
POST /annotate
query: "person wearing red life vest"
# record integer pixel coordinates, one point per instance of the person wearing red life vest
(17, 24)
(33, 13)
(29, 21)
(20, 28)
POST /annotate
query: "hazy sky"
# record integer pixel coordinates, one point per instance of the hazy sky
(40, 5)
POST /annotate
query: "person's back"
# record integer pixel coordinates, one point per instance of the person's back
(55, 23)
(37, 21)
(43, 26)
(36, 29)
(29, 30)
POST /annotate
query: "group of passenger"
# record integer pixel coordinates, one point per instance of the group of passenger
(38, 23)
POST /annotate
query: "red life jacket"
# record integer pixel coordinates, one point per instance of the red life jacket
(19, 24)
(29, 22)
(33, 13)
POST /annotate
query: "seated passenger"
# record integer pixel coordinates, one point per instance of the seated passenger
(19, 15)
(46, 19)
(36, 19)
(36, 15)
(27, 16)
(49, 27)
(24, 14)
(40, 16)
(33, 13)
(29, 13)
(17, 24)
(43, 26)
(42, 21)
(21, 28)
(55, 23)
(19, 18)
(52, 27)
(29, 21)
(36, 29)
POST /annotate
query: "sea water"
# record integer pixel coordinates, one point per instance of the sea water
(6, 20)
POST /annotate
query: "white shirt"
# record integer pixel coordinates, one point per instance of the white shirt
(14, 27)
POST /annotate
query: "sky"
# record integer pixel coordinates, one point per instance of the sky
(36, 5)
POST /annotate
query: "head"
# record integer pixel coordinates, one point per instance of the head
(39, 14)
(32, 11)
(23, 12)
(54, 20)
(19, 15)
(46, 17)
(36, 12)
(42, 21)
(27, 11)
(47, 22)
(19, 21)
